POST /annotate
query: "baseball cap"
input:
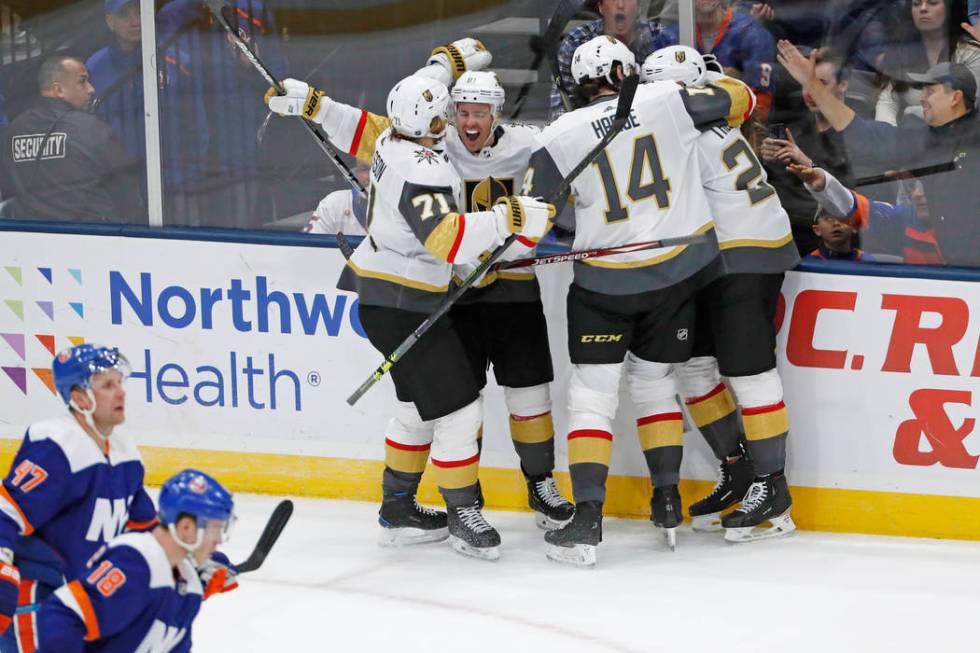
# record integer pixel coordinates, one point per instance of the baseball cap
(112, 6)
(956, 75)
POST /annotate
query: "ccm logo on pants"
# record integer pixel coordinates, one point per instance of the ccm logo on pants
(609, 337)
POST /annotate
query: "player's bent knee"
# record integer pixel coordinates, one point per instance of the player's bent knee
(649, 381)
(595, 389)
(455, 434)
(528, 401)
(759, 389)
(698, 376)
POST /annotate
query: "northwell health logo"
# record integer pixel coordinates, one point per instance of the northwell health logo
(29, 333)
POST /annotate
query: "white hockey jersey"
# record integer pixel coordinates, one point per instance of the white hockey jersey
(506, 160)
(646, 185)
(416, 231)
(753, 229)
(342, 211)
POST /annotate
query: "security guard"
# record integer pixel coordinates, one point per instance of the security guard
(63, 163)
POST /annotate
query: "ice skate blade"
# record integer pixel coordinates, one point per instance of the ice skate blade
(579, 555)
(395, 537)
(546, 523)
(706, 523)
(484, 553)
(782, 525)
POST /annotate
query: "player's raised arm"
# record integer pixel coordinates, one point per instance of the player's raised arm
(355, 130)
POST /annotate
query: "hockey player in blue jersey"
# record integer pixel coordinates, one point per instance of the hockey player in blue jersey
(75, 483)
(143, 591)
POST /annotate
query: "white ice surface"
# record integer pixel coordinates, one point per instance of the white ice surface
(327, 586)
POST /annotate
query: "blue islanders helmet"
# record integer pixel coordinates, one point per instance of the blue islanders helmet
(76, 366)
(195, 493)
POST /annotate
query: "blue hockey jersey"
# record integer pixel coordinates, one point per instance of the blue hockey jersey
(129, 599)
(64, 498)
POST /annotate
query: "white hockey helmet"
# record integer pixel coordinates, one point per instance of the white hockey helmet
(479, 87)
(677, 63)
(415, 104)
(598, 58)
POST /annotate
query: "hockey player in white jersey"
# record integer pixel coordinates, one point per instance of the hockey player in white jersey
(501, 321)
(343, 211)
(401, 272)
(629, 312)
(735, 336)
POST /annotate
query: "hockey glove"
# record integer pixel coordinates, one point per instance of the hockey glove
(527, 216)
(448, 62)
(218, 575)
(300, 99)
(9, 588)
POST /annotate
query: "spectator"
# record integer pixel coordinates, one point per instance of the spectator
(741, 45)
(909, 219)
(949, 138)
(117, 75)
(61, 161)
(343, 211)
(932, 36)
(836, 240)
(812, 142)
(619, 18)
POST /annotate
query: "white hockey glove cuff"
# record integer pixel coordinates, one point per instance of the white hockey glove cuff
(526, 216)
(300, 99)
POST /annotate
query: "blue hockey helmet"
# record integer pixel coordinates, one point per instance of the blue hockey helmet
(76, 366)
(194, 493)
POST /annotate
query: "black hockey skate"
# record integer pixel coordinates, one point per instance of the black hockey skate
(575, 542)
(471, 534)
(734, 478)
(403, 521)
(767, 499)
(665, 512)
(551, 509)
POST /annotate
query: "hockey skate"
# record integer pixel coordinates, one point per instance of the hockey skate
(768, 499)
(734, 478)
(403, 521)
(551, 509)
(471, 534)
(665, 512)
(575, 542)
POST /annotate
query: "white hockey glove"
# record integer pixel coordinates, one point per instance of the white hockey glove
(527, 216)
(218, 575)
(448, 62)
(300, 99)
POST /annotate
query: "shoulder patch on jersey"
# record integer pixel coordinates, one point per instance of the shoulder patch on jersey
(425, 155)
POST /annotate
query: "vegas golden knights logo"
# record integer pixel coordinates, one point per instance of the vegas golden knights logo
(427, 95)
(680, 56)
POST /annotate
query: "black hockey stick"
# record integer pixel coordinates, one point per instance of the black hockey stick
(924, 171)
(626, 93)
(273, 528)
(552, 44)
(216, 7)
(547, 46)
(581, 254)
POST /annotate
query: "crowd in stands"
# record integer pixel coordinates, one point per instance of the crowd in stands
(878, 96)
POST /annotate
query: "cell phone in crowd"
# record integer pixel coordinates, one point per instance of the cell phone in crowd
(777, 130)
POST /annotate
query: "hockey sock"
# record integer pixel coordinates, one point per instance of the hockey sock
(534, 442)
(589, 450)
(714, 415)
(662, 440)
(394, 482)
(764, 419)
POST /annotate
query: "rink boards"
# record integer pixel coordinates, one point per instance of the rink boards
(243, 355)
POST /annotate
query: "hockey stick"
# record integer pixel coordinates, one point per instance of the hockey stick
(924, 171)
(547, 45)
(216, 7)
(273, 529)
(626, 93)
(582, 254)
(552, 44)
